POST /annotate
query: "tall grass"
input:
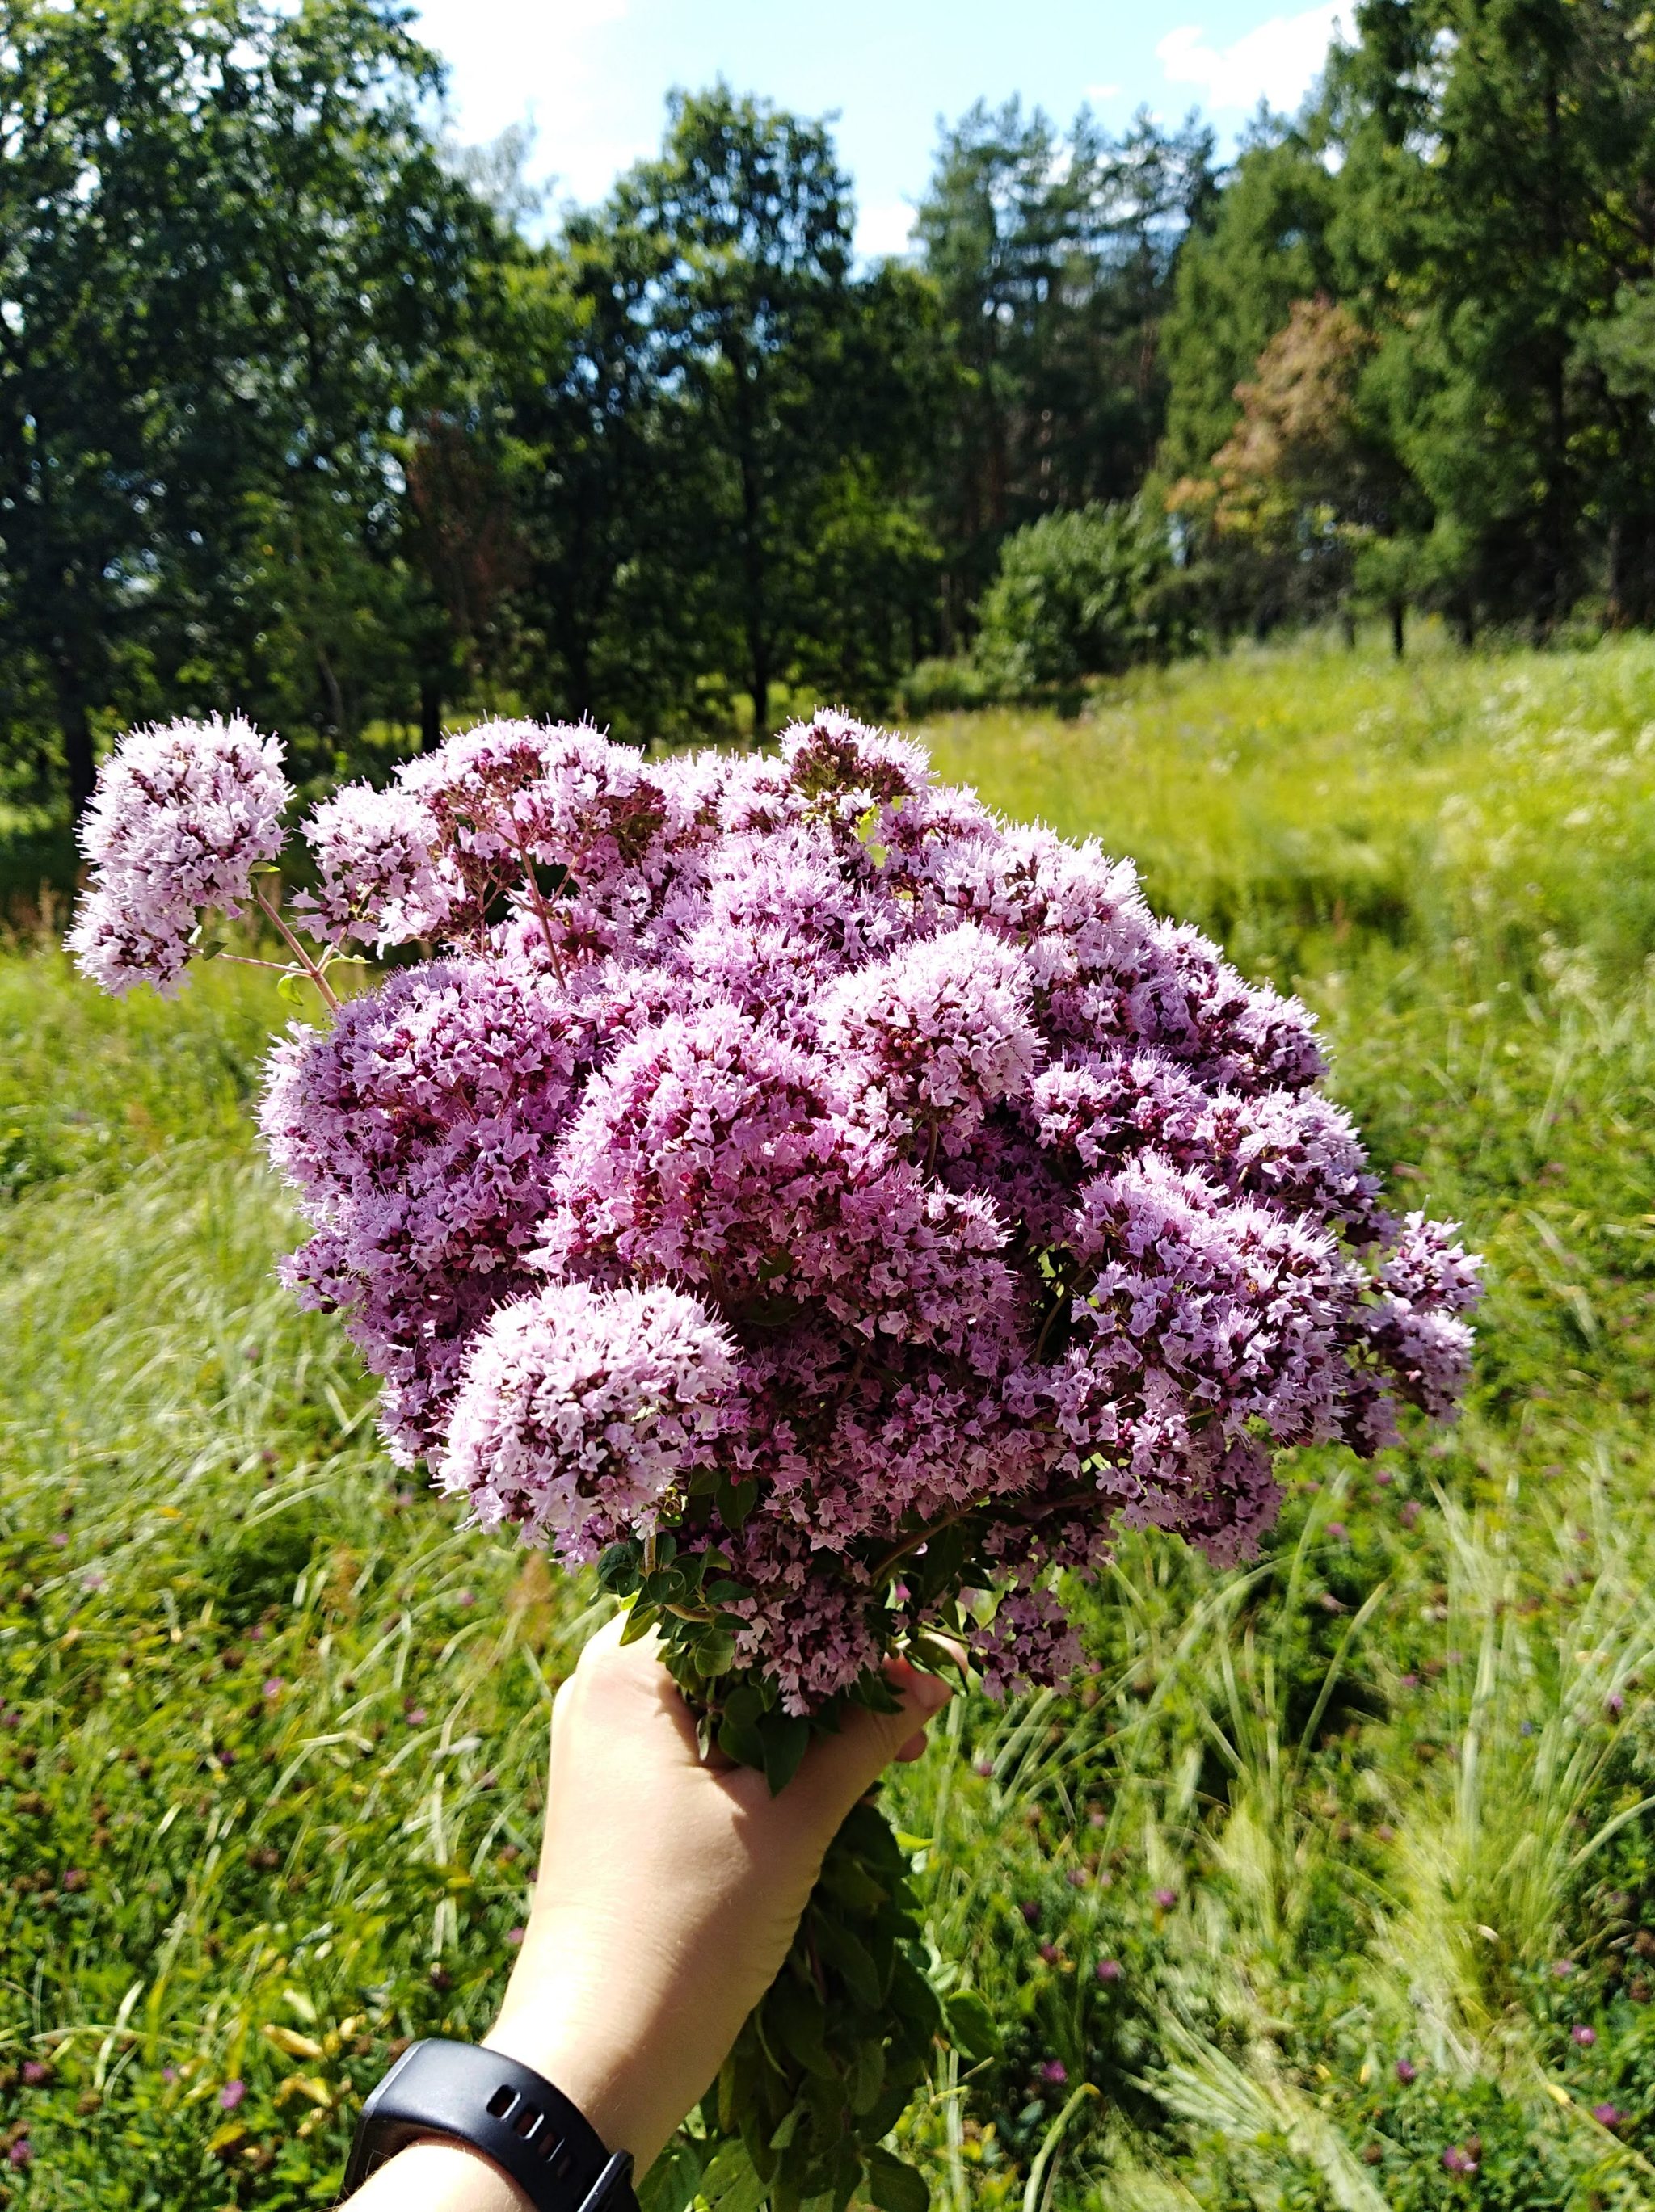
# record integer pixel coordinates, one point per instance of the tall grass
(271, 1728)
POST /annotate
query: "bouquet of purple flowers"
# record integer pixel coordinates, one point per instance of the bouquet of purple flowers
(830, 1210)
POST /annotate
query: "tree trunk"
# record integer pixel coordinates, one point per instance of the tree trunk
(755, 612)
(1399, 627)
(76, 727)
(430, 713)
(758, 645)
(331, 687)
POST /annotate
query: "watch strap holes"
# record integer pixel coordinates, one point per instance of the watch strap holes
(503, 2101)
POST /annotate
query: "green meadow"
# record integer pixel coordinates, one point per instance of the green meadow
(1331, 1882)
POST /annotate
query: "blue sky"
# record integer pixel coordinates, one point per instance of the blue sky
(592, 75)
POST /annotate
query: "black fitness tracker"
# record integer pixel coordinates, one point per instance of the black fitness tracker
(504, 2112)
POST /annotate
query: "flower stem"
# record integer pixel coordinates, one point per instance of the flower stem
(299, 951)
(539, 906)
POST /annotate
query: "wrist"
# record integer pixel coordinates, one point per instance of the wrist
(438, 2176)
(601, 2070)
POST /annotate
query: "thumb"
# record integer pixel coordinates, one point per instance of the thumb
(838, 1769)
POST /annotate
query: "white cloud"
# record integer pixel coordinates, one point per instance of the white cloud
(1278, 62)
(1103, 92)
(884, 228)
(534, 61)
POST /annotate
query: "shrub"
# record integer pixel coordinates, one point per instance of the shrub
(946, 687)
(1081, 593)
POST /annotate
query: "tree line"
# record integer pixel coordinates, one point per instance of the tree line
(297, 415)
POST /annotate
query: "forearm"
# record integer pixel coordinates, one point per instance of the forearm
(438, 2177)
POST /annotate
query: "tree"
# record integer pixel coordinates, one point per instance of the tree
(609, 605)
(1497, 199)
(1263, 243)
(1303, 484)
(751, 217)
(1054, 257)
(232, 270)
(733, 438)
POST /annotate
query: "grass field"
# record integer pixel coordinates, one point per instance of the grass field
(1332, 1884)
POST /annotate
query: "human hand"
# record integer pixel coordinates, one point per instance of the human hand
(669, 1890)
(668, 1894)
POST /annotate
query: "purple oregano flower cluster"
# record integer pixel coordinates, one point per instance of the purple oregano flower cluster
(782, 1154)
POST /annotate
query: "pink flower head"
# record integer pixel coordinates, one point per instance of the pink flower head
(1458, 2160)
(383, 879)
(1109, 1970)
(579, 1409)
(513, 800)
(942, 1029)
(419, 1132)
(714, 1153)
(35, 2071)
(182, 815)
(1406, 2071)
(231, 2095)
(1585, 2037)
(1607, 2115)
(22, 2152)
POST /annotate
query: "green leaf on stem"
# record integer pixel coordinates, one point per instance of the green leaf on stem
(867, 2077)
(730, 2184)
(674, 2182)
(851, 1959)
(893, 2184)
(794, 2018)
(740, 1740)
(735, 1501)
(716, 1654)
(787, 1738)
(618, 1569)
(849, 1882)
(971, 2028)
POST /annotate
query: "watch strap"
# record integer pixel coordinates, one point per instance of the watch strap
(464, 2093)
